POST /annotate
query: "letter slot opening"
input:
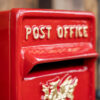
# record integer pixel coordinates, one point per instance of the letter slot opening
(54, 67)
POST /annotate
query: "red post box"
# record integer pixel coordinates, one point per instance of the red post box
(47, 55)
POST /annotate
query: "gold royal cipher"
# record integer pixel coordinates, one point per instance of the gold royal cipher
(60, 89)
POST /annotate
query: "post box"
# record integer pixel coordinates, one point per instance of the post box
(47, 55)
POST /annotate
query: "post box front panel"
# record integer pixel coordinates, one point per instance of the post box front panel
(54, 53)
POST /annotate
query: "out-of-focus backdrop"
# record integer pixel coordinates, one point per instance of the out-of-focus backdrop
(80, 5)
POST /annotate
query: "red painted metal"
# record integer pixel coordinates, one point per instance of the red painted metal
(18, 55)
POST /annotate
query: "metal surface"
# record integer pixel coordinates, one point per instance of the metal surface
(38, 45)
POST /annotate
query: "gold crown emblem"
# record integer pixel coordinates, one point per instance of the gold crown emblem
(59, 89)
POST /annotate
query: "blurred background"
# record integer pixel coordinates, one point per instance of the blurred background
(80, 5)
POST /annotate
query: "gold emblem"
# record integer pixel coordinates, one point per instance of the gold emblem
(59, 89)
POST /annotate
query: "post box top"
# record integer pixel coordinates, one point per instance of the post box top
(64, 13)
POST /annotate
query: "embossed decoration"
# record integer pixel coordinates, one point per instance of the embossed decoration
(60, 89)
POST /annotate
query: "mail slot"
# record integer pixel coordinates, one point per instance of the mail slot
(47, 55)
